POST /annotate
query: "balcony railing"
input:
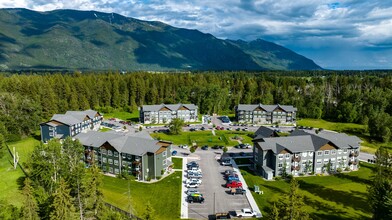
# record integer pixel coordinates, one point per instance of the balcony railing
(297, 168)
(296, 158)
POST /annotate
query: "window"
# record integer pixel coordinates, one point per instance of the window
(116, 162)
(115, 153)
(318, 169)
(124, 163)
(280, 156)
(319, 153)
(256, 150)
(116, 171)
(326, 160)
(345, 151)
(304, 154)
(287, 156)
(340, 151)
(318, 161)
(310, 153)
(280, 165)
(104, 159)
(164, 153)
(256, 158)
(111, 169)
(164, 162)
(110, 161)
(326, 152)
(333, 152)
(110, 153)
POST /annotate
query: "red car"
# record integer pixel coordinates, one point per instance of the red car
(233, 184)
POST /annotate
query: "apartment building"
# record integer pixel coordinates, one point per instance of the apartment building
(265, 114)
(70, 124)
(164, 113)
(305, 152)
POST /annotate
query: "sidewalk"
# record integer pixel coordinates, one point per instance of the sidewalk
(184, 204)
(249, 196)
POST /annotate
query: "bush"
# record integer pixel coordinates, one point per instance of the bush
(277, 178)
(339, 170)
(225, 149)
(162, 172)
(289, 177)
(193, 149)
(149, 178)
(302, 174)
(158, 177)
(347, 169)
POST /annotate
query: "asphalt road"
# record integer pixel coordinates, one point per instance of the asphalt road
(211, 188)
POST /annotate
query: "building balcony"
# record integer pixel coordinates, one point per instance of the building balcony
(296, 158)
(297, 168)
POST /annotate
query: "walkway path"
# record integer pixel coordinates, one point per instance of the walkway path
(184, 203)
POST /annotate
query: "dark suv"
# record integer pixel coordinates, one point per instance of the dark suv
(195, 198)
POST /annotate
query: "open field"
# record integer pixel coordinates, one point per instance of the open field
(368, 145)
(342, 196)
(24, 147)
(205, 137)
(126, 116)
(164, 196)
(10, 181)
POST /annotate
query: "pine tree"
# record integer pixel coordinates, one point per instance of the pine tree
(62, 203)
(149, 212)
(275, 213)
(380, 190)
(30, 207)
(291, 207)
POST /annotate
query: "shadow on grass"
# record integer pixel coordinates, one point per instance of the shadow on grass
(353, 178)
(340, 197)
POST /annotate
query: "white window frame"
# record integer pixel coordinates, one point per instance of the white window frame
(333, 152)
(287, 156)
(319, 153)
(280, 156)
(164, 153)
(326, 152)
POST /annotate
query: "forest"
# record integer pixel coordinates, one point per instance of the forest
(28, 99)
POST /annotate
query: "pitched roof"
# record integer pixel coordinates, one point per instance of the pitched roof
(122, 143)
(74, 117)
(173, 107)
(301, 141)
(268, 108)
(264, 131)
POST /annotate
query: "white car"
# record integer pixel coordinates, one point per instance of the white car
(195, 175)
(197, 181)
(194, 170)
(246, 213)
(191, 191)
(183, 146)
(192, 185)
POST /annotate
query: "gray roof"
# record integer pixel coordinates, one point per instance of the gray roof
(121, 142)
(301, 141)
(173, 107)
(264, 131)
(73, 117)
(268, 108)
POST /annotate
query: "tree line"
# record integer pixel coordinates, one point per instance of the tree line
(28, 99)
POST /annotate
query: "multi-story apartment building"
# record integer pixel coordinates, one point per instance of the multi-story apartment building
(265, 114)
(163, 113)
(70, 124)
(304, 152)
(117, 153)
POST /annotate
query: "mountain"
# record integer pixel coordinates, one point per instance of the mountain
(90, 40)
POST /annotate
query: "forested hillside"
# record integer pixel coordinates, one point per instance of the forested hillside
(27, 100)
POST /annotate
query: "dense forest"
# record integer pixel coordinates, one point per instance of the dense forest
(28, 99)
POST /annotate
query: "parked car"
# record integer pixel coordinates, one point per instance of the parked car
(238, 129)
(225, 162)
(233, 184)
(193, 180)
(205, 147)
(236, 191)
(229, 172)
(215, 147)
(195, 175)
(194, 170)
(174, 153)
(183, 146)
(222, 215)
(192, 185)
(192, 164)
(191, 191)
(196, 198)
(245, 213)
(202, 128)
(222, 128)
(233, 178)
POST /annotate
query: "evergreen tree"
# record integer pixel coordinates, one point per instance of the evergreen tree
(291, 206)
(30, 207)
(380, 190)
(62, 203)
(176, 125)
(149, 212)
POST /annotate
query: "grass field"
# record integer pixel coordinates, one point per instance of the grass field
(164, 196)
(126, 116)
(10, 181)
(341, 196)
(24, 148)
(368, 145)
(177, 163)
(205, 138)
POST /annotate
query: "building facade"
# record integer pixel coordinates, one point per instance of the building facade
(304, 152)
(115, 153)
(265, 114)
(70, 124)
(164, 113)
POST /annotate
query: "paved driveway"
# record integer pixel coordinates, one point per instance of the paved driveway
(212, 187)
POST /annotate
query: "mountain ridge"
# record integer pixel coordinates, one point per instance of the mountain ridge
(91, 40)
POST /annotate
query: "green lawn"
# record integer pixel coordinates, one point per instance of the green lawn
(10, 181)
(205, 137)
(341, 196)
(24, 147)
(177, 163)
(126, 116)
(368, 145)
(164, 196)
(104, 129)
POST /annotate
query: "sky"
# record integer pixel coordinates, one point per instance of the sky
(346, 34)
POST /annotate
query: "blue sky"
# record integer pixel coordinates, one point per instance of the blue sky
(346, 34)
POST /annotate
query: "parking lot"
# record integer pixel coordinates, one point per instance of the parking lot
(217, 198)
